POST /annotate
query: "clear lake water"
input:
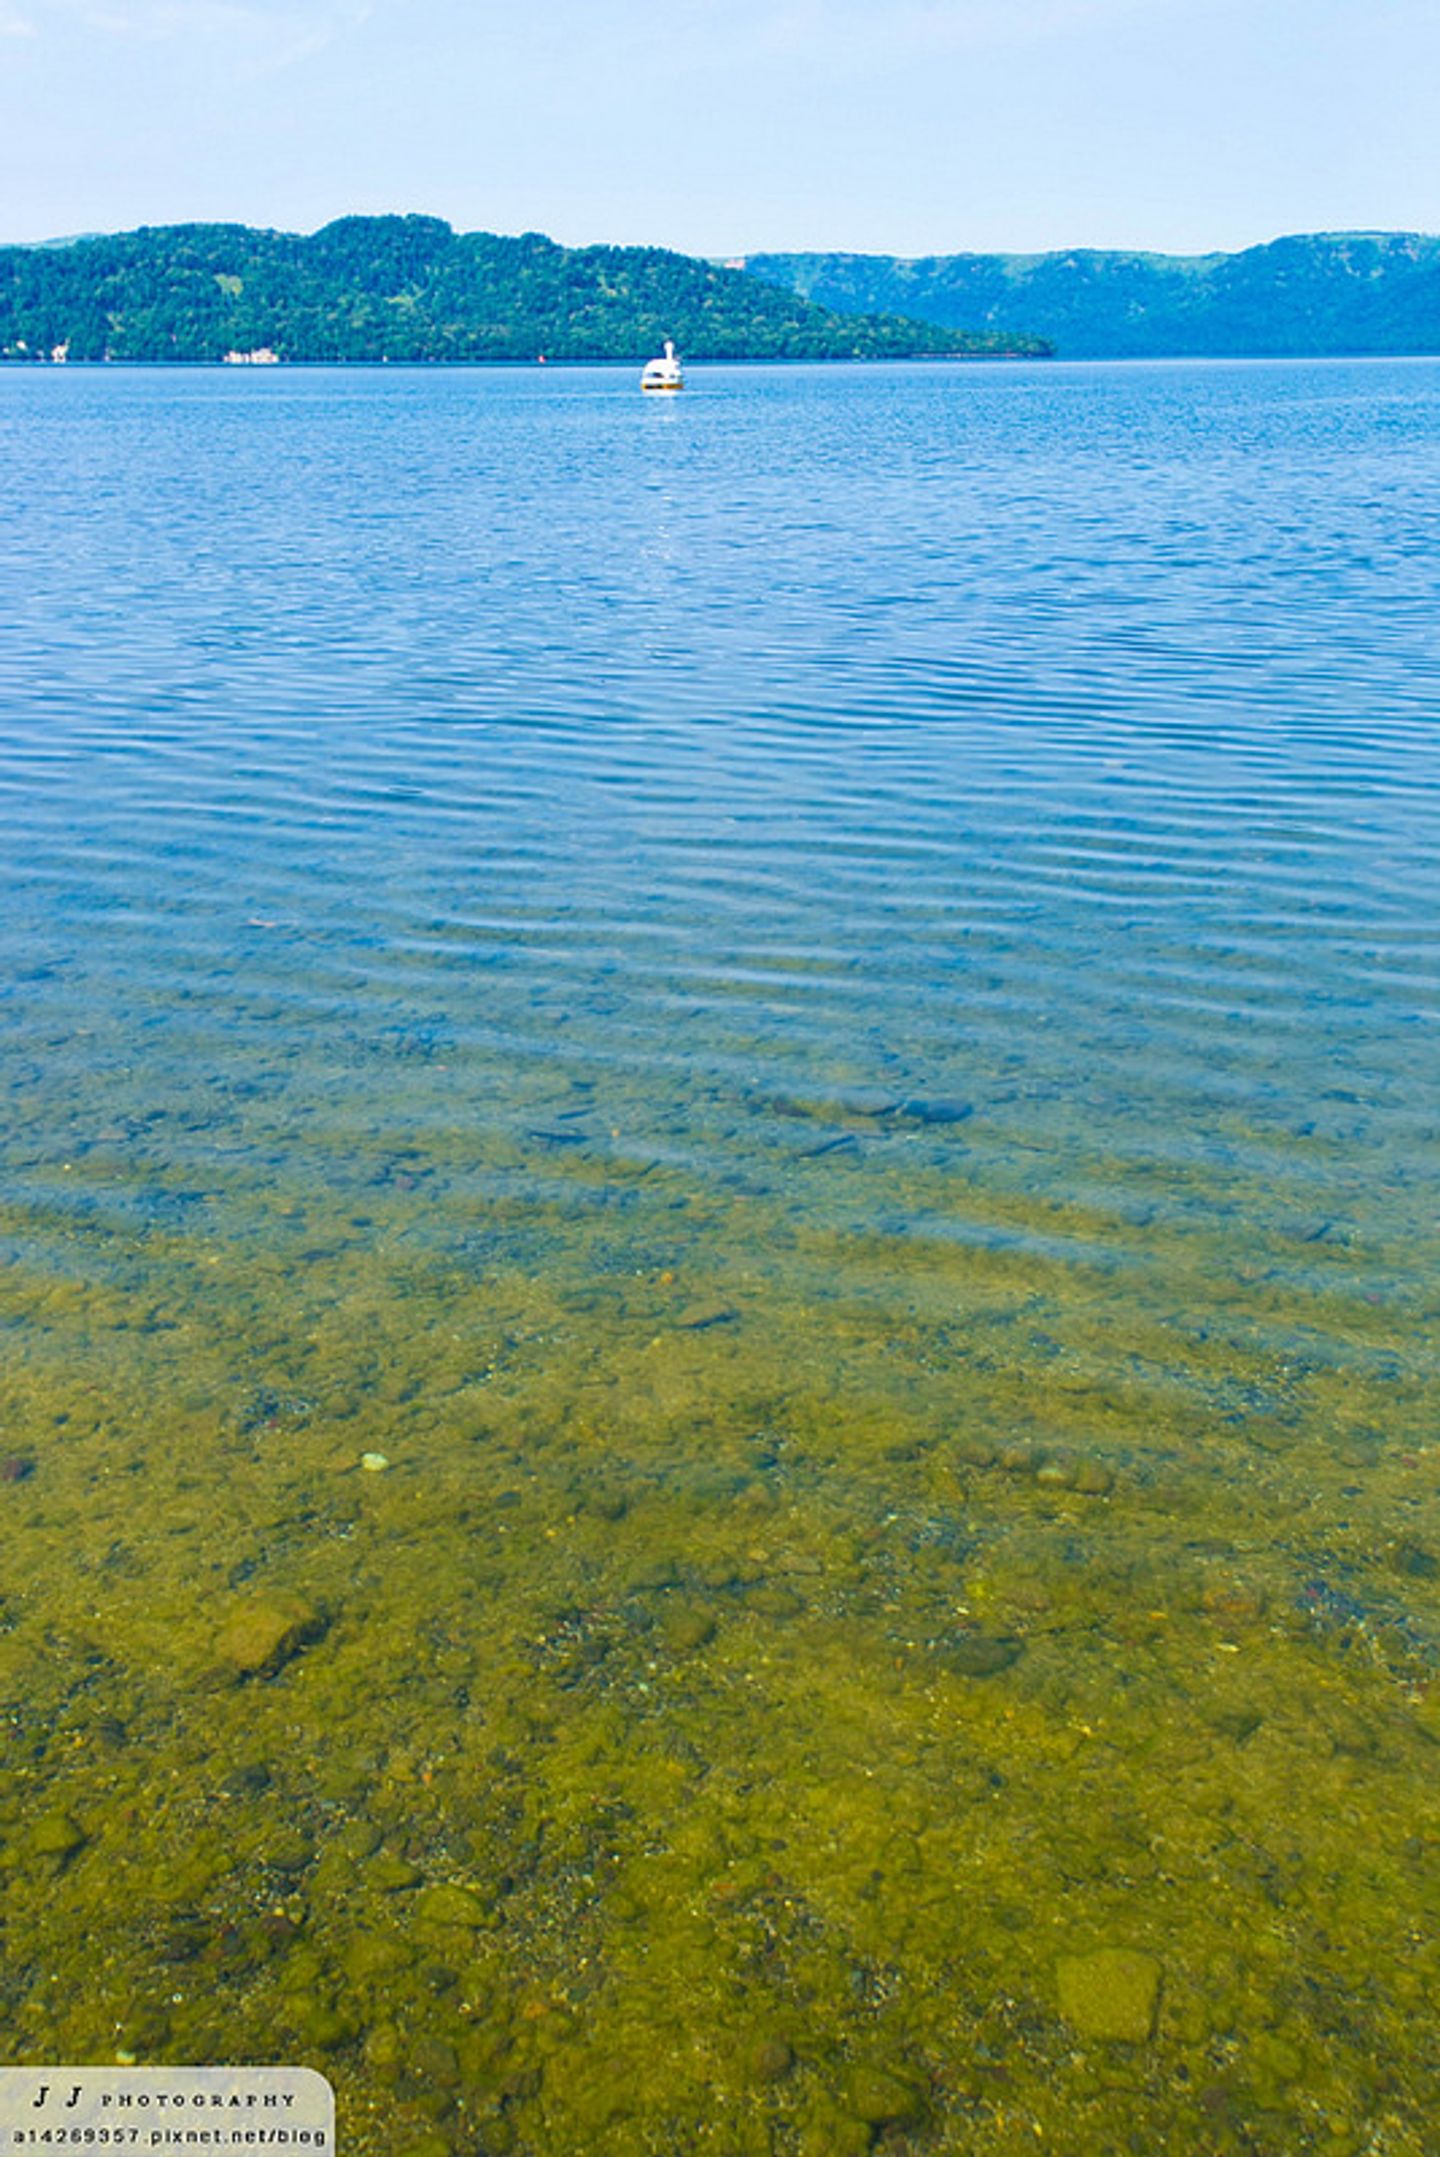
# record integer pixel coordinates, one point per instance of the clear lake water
(719, 1251)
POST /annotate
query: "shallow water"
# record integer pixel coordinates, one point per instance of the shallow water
(813, 1011)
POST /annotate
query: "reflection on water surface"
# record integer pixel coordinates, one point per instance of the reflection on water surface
(719, 1407)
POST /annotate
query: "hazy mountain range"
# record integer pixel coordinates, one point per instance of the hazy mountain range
(1321, 293)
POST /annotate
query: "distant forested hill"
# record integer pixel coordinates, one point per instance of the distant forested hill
(409, 288)
(1323, 293)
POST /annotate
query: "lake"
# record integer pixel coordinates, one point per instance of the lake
(720, 1233)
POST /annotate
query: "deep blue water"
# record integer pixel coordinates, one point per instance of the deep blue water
(1063, 738)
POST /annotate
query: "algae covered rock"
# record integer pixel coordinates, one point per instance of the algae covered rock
(57, 1837)
(686, 1626)
(883, 2099)
(1112, 1993)
(769, 2059)
(774, 1602)
(977, 1655)
(261, 1636)
(321, 2024)
(391, 1874)
(443, 1904)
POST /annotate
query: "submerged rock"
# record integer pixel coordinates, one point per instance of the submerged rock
(774, 1602)
(686, 1626)
(704, 1317)
(321, 2024)
(932, 1111)
(977, 1655)
(770, 2059)
(1241, 1602)
(1092, 1479)
(1112, 1993)
(55, 1835)
(882, 2099)
(444, 1904)
(1413, 1560)
(261, 1637)
(391, 1874)
(974, 1452)
(1022, 1458)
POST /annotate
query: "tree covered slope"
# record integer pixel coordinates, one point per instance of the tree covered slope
(1319, 294)
(410, 288)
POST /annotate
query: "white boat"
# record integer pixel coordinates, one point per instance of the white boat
(666, 374)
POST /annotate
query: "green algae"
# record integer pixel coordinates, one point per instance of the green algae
(774, 1654)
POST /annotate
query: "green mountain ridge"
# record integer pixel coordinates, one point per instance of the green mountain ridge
(1316, 295)
(411, 289)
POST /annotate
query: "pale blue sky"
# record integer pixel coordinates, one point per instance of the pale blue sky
(917, 126)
